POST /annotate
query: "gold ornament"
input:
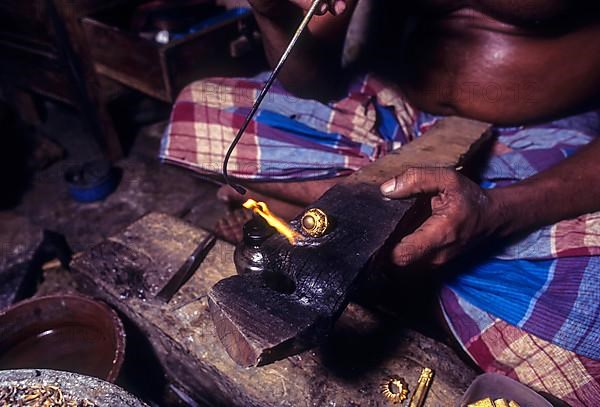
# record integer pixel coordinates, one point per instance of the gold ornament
(487, 402)
(424, 383)
(395, 389)
(315, 222)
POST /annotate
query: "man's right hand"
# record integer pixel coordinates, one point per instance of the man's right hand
(313, 70)
(273, 8)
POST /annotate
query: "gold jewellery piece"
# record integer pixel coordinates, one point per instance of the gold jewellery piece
(395, 389)
(418, 397)
(315, 222)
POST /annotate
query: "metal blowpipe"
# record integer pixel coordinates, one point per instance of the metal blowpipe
(309, 15)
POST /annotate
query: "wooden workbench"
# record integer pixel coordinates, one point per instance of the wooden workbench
(127, 270)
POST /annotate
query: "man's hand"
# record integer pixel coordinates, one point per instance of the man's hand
(276, 7)
(313, 70)
(462, 213)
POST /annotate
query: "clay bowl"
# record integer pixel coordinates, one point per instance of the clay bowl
(66, 332)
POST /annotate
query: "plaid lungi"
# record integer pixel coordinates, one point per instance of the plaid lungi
(531, 311)
(290, 139)
(499, 347)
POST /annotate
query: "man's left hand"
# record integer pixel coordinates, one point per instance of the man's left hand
(462, 213)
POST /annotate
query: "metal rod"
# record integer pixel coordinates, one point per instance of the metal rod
(424, 383)
(188, 268)
(309, 15)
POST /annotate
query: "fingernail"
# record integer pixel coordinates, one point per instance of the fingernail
(339, 7)
(323, 8)
(388, 187)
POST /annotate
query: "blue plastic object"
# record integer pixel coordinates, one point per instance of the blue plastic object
(92, 181)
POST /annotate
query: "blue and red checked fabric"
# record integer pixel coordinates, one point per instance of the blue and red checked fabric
(291, 138)
(531, 311)
(547, 283)
(499, 347)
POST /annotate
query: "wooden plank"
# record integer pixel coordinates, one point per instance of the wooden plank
(125, 57)
(66, 16)
(212, 45)
(347, 370)
(44, 51)
(38, 72)
(260, 320)
(448, 144)
(27, 22)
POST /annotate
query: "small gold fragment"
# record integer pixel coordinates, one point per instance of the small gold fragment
(488, 402)
(30, 397)
(501, 403)
(315, 222)
(424, 383)
(395, 389)
(37, 396)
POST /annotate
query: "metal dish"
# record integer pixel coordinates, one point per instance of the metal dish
(497, 386)
(95, 392)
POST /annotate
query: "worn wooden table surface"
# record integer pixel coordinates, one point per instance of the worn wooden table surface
(364, 349)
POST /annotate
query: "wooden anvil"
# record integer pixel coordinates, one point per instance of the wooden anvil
(292, 305)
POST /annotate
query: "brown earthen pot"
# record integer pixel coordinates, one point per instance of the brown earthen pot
(66, 333)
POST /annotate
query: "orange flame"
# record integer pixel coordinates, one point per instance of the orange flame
(262, 210)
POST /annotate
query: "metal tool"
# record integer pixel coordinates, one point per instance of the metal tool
(309, 15)
(187, 269)
(418, 397)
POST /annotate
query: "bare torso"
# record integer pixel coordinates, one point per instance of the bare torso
(500, 61)
(503, 61)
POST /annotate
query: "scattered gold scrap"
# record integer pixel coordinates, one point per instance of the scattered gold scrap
(395, 389)
(501, 403)
(487, 402)
(424, 383)
(315, 222)
(38, 396)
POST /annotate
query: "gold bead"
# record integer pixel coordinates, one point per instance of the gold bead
(308, 222)
(315, 222)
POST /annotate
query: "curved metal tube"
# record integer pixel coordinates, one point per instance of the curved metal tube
(309, 15)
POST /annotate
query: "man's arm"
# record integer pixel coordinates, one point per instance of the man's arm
(314, 68)
(464, 214)
(568, 190)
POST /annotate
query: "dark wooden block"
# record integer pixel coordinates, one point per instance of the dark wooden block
(260, 320)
